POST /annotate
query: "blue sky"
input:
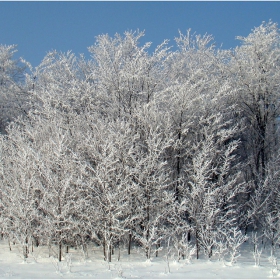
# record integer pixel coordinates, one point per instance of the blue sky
(39, 27)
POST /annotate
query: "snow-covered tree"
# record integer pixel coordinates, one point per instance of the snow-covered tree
(154, 196)
(20, 195)
(214, 180)
(125, 74)
(13, 93)
(195, 88)
(255, 74)
(132, 147)
(106, 184)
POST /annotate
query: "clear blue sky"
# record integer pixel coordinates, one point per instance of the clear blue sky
(39, 27)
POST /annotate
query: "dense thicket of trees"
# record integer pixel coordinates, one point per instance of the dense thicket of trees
(133, 147)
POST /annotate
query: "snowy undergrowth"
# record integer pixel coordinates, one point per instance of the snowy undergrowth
(135, 266)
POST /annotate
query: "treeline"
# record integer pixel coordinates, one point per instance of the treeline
(133, 147)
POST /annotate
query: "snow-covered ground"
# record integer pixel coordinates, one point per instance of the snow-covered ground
(74, 265)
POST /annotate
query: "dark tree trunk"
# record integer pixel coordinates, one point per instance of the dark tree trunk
(60, 251)
(129, 243)
(196, 244)
(157, 247)
(26, 251)
(104, 249)
(178, 163)
(189, 236)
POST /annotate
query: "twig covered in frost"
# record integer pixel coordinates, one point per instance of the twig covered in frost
(120, 271)
(235, 240)
(221, 246)
(168, 254)
(274, 262)
(256, 252)
(68, 259)
(57, 265)
(188, 250)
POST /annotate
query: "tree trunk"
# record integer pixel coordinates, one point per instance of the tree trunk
(59, 251)
(196, 244)
(9, 244)
(119, 247)
(157, 247)
(25, 249)
(189, 236)
(104, 249)
(178, 163)
(110, 253)
(129, 243)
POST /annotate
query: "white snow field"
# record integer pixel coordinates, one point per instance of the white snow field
(135, 266)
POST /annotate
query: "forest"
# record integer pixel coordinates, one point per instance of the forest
(172, 148)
